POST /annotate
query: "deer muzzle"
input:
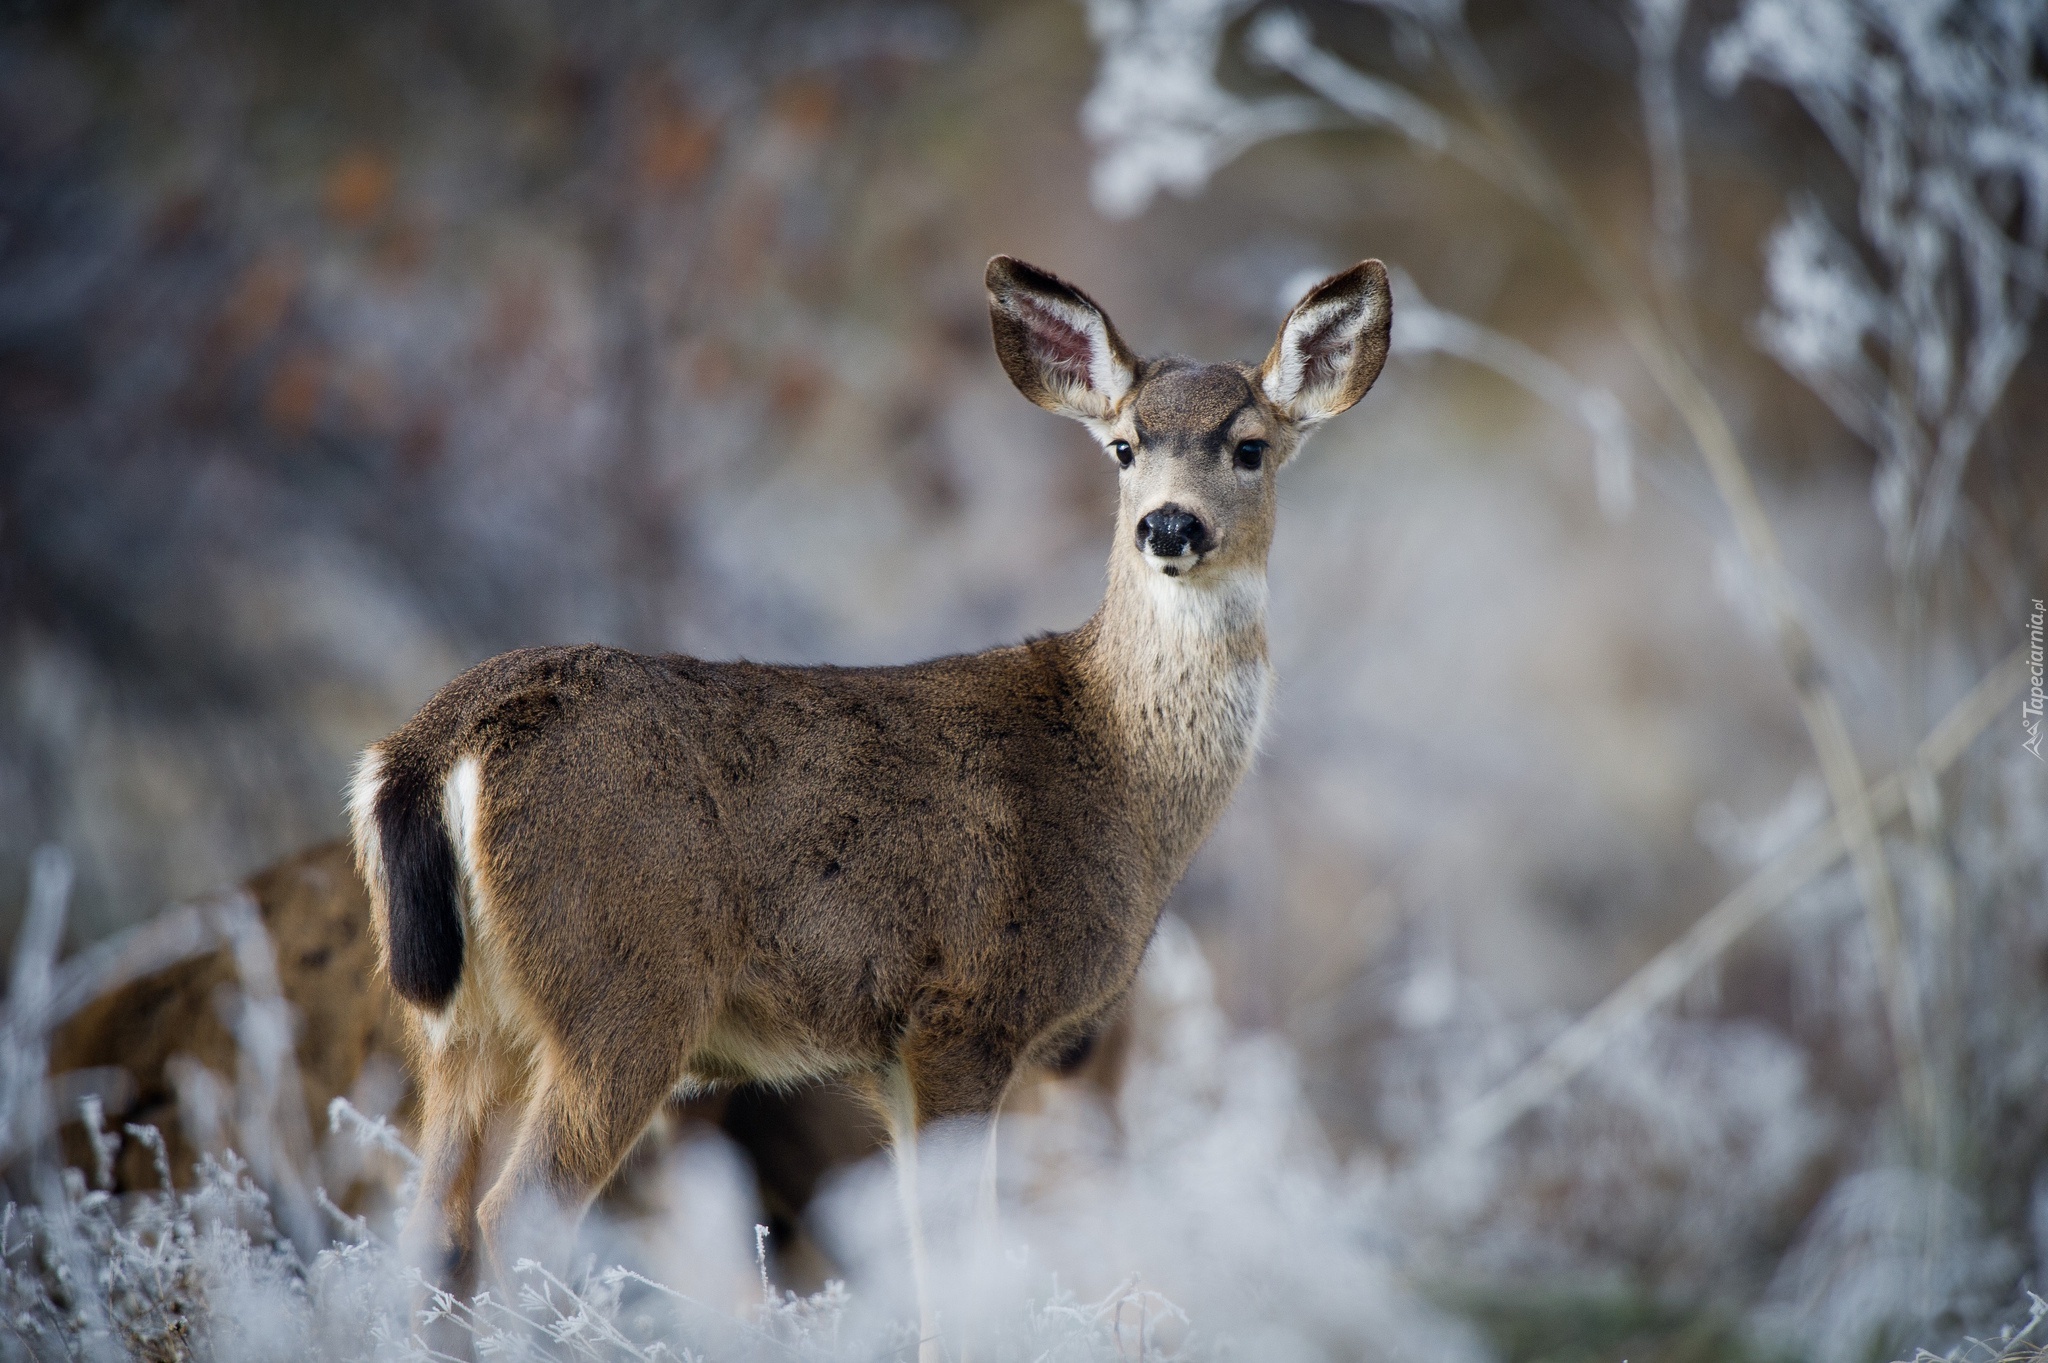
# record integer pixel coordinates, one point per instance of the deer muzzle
(1171, 532)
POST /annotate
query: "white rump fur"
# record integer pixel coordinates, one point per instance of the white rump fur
(458, 814)
(1316, 347)
(458, 808)
(362, 821)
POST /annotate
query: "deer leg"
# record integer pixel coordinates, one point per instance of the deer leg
(580, 1121)
(985, 1224)
(898, 1102)
(440, 1231)
(461, 1086)
(944, 1073)
(986, 1212)
(894, 1097)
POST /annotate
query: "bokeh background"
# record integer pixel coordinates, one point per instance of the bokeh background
(344, 346)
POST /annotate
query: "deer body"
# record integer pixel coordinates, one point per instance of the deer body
(600, 876)
(828, 855)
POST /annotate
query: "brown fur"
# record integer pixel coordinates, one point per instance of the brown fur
(676, 873)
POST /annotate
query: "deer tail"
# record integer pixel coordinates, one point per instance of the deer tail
(408, 861)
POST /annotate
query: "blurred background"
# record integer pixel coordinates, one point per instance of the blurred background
(344, 346)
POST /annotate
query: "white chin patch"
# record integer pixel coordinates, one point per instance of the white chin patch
(1180, 565)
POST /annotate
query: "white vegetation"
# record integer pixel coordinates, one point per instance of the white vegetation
(1157, 112)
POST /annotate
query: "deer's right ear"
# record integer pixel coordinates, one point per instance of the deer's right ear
(1058, 347)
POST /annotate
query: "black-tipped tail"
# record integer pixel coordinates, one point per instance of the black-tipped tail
(425, 918)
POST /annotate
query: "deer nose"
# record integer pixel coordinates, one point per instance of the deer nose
(1170, 532)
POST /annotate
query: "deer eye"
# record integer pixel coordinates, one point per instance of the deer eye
(1250, 454)
(1122, 450)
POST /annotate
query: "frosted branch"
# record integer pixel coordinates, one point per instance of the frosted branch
(1937, 112)
(1157, 115)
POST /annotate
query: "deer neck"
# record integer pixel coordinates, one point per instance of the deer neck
(1182, 668)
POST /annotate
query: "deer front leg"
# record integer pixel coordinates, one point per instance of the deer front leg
(898, 1105)
(941, 1074)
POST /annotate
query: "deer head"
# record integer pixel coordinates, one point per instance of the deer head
(1197, 445)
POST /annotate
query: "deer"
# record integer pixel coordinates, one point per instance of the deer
(598, 877)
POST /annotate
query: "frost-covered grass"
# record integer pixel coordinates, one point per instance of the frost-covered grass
(204, 1273)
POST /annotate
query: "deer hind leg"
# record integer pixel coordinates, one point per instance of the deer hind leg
(462, 1085)
(581, 1119)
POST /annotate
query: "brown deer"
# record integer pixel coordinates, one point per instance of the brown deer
(599, 876)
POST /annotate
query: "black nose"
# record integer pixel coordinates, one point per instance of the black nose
(1170, 532)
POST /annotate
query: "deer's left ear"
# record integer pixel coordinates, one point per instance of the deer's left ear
(1331, 346)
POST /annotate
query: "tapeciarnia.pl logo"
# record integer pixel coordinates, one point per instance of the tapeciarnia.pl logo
(2030, 709)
